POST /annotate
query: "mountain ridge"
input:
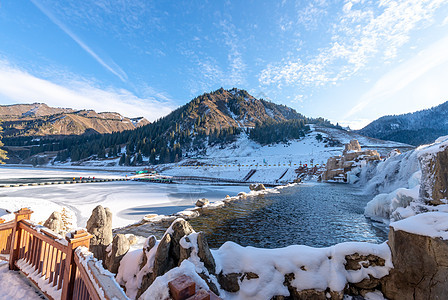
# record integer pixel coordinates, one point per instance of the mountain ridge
(39, 119)
(415, 128)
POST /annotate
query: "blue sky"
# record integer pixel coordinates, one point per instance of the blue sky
(348, 61)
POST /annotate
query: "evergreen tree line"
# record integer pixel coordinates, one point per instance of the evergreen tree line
(167, 140)
(276, 132)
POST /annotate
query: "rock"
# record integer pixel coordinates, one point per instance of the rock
(420, 267)
(132, 239)
(55, 223)
(149, 244)
(434, 182)
(212, 286)
(162, 260)
(185, 252)
(204, 253)
(370, 283)
(202, 202)
(352, 146)
(338, 166)
(180, 228)
(257, 187)
(249, 276)
(356, 261)
(100, 226)
(120, 246)
(229, 282)
(393, 153)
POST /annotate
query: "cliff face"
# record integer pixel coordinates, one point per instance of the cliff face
(39, 119)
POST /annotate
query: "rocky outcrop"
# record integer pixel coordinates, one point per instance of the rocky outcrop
(169, 253)
(420, 267)
(119, 247)
(434, 182)
(338, 166)
(100, 226)
(353, 145)
(55, 222)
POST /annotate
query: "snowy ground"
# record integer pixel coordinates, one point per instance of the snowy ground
(14, 286)
(129, 201)
(273, 160)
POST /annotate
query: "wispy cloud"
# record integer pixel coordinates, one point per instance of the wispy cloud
(208, 72)
(110, 66)
(360, 34)
(405, 74)
(19, 86)
(237, 65)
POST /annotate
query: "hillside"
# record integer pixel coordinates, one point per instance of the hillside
(417, 128)
(38, 119)
(216, 118)
(220, 120)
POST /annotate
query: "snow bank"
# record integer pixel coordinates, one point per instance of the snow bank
(433, 224)
(129, 274)
(313, 268)
(159, 288)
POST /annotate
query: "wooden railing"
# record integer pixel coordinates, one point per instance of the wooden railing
(62, 268)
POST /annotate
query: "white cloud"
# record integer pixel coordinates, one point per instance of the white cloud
(360, 35)
(19, 86)
(403, 78)
(110, 66)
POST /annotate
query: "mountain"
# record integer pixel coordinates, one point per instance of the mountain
(417, 128)
(230, 108)
(216, 118)
(38, 119)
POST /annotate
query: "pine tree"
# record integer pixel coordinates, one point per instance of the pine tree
(122, 159)
(3, 156)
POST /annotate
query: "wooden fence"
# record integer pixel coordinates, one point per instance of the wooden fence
(62, 268)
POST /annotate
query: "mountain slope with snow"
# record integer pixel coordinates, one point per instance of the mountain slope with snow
(417, 128)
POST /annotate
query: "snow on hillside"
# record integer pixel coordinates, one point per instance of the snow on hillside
(273, 160)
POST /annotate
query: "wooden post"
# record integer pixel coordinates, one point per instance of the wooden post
(21, 214)
(79, 238)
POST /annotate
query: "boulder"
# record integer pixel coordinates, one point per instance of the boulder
(55, 223)
(434, 182)
(100, 226)
(204, 253)
(162, 260)
(119, 247)
(148, 278)
(149, 244)
(420, 267)
(257, 187)
(202, 202)
(229, 282)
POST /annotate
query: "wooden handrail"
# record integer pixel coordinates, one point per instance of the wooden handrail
(42, 236)
(110, 288)
(50, 260)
